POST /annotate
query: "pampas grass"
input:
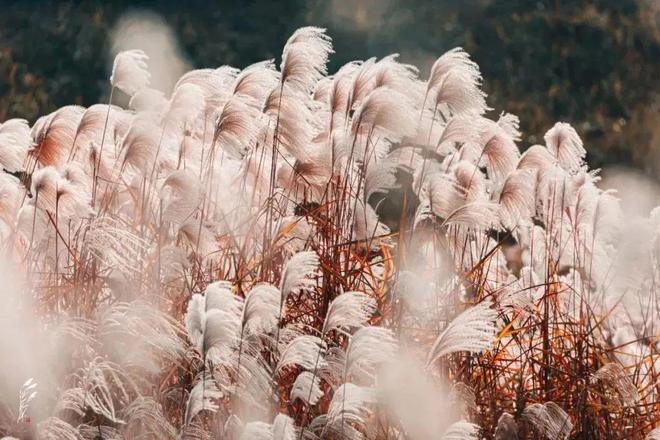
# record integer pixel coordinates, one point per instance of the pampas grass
(294, 254)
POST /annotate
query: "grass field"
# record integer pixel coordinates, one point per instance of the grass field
(282, 253)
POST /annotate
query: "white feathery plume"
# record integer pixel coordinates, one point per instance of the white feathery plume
(369, 348)
(186, 105)
(203, 396)
(113, 244)
(219, 311)
(211, 83)
(322, 93)
(27, 394)
(92, 123)
(18, 129)
(351, 402)
(500, 152)
(451, 75)
(598, 214)
(77, 329)
(386, 110)
(141, 143)
(232, 428)
(257, 431)
(307, 388)
(262, 309)
(237, 127)
(130, 72)
(104, 125)
(74, 173)
(54, 137)
(9, 202)
(255, 379)
(471, 180)
(200, 238)
(470, 151)
(284, 428)
(305, 351)
(195, 319)
(460, 93)
(339, 94)
(298, 273)
(15, 140)
(613, 374)
(520, 293)
(40, 127)
(362, 84)
(453, 60)
(144, 417)
(304, 58)
(101, 384)
(516, 199)
(445, 194)
(54, 428)
(139, 335)
(32, 224)
(74, 198)
(71, 399)
(196, 430)
(367, 226)
(556, 190)
(477, 215)
(510, 124)
(464, 396)
(288, 334)
(442, 138)
(227, 75)
(548, 419)
(89, 432)
(318, 168)
(349, 310)
(221, 330)
(256, 81)
(321, 427)
(45, 185)
(380, 177)
(398, 76)
(148, 100)
(181, 194)
(332, 143)
(462, 431)
(290, 113)
(536, 158)
(565, 144)
(371, 75)
(294, 233)
(507, 428)
(472, 331)
(333, 371)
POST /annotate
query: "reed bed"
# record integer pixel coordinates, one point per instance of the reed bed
(289, 254)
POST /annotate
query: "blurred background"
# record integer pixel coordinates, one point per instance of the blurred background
(595, 64)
